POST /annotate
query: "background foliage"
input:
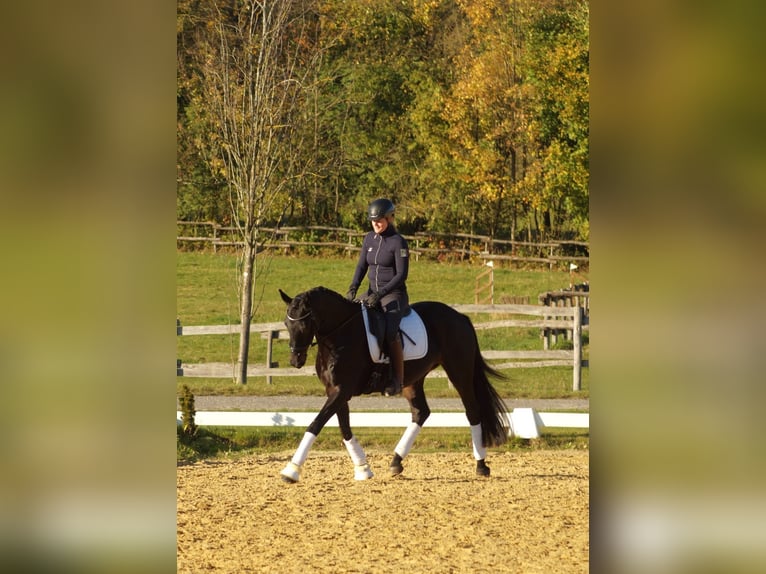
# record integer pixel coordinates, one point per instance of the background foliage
(472, 115)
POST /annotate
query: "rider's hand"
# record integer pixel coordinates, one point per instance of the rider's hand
(351, 295)
(372, 299)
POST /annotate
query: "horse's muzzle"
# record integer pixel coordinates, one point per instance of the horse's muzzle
(297, 360)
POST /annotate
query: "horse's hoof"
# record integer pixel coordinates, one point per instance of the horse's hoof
(291, 473)
(363, 472)
(396, 465)
(481, 468)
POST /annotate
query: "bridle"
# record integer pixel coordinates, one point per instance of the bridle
(299, 318)
(299, 350)
(304, 348)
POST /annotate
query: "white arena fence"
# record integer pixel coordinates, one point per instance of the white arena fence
(524, 422)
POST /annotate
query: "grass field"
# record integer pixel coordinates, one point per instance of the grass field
(234, 442)
(207, 295)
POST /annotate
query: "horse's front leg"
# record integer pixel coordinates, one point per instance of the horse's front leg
(362, 469)
(292, 472)
(420, 412)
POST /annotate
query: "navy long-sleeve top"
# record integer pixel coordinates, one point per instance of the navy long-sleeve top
(385, 258)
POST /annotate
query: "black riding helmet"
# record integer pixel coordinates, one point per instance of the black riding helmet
(379, 209)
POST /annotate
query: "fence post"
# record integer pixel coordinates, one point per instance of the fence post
(489, 286)
(179, 331)
(577, 335)
(544, 300)
(555, 302)
(269, 342)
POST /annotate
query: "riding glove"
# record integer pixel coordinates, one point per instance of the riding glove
(372, 299)
(351, 295)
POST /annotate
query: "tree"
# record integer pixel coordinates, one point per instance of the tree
(200, 190)
(557, 70)
(471, 114)
(252, 58)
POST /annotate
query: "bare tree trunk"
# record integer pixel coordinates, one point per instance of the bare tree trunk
(246, 310)
(256, 58)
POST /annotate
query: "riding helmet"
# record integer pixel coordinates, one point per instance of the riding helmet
(380, 208)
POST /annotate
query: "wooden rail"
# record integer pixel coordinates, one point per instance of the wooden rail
(440, 246)
(577, 297)
(568, 318)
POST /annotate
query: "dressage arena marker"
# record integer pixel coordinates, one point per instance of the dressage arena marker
(525, 422)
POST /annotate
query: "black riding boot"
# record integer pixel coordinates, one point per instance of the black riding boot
(396, 355)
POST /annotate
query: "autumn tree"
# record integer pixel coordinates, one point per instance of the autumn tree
(557, 70)
(471, 114)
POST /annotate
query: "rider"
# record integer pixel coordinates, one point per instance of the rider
(386, 255)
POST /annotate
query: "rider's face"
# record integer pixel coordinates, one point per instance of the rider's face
(380, 225)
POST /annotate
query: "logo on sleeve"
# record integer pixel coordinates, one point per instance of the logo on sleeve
(403, 253)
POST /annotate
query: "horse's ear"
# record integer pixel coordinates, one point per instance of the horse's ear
(285, 297)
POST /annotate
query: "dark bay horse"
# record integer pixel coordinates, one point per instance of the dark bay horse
(344, 365)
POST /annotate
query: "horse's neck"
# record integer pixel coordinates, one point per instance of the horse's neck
(334, 314)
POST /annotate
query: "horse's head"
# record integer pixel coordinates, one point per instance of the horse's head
(300, 325)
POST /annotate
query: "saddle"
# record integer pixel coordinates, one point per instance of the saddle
(411, 330)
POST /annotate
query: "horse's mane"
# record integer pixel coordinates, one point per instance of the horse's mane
(320, 290)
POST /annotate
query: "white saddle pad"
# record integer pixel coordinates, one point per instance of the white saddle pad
(415, 330)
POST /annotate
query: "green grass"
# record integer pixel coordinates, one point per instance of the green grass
(207, 283)
(236, 442)
(531, 383)
(207, 295)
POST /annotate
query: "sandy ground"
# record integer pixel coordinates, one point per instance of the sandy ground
(530, 516)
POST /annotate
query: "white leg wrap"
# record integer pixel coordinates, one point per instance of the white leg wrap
(362, 470)
(303, 449)
(355, 451)
(407, 440)
(292, 472)
(479, 452)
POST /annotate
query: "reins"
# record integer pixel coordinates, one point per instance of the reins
(318, 338)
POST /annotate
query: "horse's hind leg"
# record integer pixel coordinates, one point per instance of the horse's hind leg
(362, 469)
(463, 378)
(420, 412)
(479, 450)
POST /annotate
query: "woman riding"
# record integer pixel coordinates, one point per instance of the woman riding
(385, 258)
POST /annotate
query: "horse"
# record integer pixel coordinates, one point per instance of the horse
(345, 366)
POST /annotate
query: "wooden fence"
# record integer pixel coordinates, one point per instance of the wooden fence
(566, 298)
(440, 246)
(570, 318)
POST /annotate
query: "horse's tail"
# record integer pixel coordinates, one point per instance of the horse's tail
(494, 413)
